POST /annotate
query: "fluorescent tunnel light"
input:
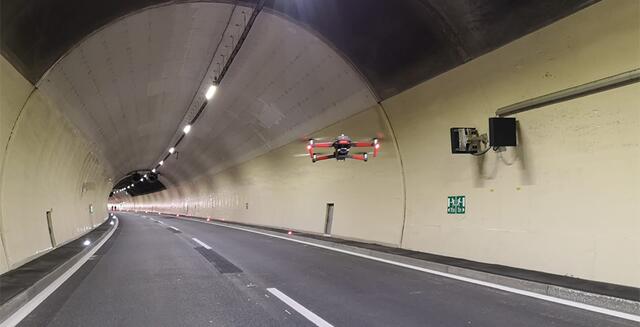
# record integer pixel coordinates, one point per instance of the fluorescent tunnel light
(210, 92)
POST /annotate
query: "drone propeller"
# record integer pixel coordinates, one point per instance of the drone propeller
(300, 155)
(320, 138)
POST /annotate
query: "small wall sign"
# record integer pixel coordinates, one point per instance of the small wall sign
(456, 204)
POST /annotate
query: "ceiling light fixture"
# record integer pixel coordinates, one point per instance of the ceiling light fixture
(211, 91)
(172, 150)
(161, 162)
(187, 129)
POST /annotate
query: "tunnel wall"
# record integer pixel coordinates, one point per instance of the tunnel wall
(285, 189)
(565, 201)
(45, 166)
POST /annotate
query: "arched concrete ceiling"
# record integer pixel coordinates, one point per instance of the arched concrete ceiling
(126, 71)
(128, 86)
(394, 44)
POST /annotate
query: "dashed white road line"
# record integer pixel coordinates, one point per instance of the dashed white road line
(203, 244)
(549, 298)
(175, 229)
(314, 318)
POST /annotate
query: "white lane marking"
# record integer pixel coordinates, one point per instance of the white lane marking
(203, 244)
(175, 229)
(578, 305)
(314, 318)
(26, 309)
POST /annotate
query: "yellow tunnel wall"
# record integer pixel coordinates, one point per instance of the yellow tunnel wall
(284, 189)
(565, 201)
(45, 165)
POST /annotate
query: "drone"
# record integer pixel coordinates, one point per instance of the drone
(342, 145)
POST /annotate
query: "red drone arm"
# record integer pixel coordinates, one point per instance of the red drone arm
(374, 143)
(313, 144)
(316, 157)
(363, 157)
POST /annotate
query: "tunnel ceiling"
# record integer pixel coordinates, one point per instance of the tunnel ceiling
(394, 44)
(129, 73)
(128, 86)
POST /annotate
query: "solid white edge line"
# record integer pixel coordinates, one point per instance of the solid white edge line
(314, 318)
(26, 309)
(549, 298)
(204, 245)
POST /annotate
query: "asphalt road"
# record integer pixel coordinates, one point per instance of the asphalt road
(149, 274)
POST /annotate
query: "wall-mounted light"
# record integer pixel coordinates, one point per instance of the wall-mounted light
(187, 129)
(172, 150)
(211, 91)
(141, 179)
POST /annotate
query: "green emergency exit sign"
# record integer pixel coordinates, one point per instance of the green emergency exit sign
(456, 204)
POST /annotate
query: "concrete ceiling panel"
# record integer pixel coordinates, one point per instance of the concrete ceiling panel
(127, 85)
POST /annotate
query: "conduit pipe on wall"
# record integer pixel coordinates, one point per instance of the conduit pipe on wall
(601, 85)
